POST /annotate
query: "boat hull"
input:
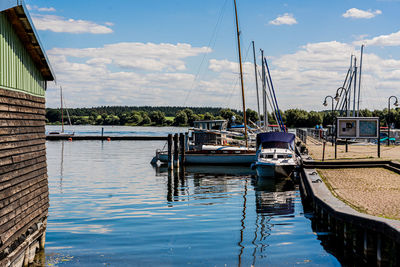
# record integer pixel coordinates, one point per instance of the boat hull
(273, 170)
(214, 159)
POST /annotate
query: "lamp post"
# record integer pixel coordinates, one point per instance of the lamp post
(337, 96)
(326, 104)
(396, 103)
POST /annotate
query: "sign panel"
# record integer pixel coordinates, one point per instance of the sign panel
(357, 127)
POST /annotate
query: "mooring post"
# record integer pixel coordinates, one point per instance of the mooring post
(170, 186)
(102, 131)
(176, 150)
(170, 162)
(335, 149)
(182, 147)
(323, 150)
(379, 140)
(176, 182)
(347, 146)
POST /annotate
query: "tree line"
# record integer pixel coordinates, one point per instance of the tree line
(181, 116)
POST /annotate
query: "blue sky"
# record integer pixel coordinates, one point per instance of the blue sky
(183, 52)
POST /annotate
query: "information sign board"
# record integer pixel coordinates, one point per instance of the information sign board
(357, 127)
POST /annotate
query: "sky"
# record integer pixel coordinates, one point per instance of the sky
(184, 52)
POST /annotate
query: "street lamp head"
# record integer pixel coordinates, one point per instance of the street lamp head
(396, 103)
(325, 104)
(337, 97)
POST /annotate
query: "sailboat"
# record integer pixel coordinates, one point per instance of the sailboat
(214, 146)
(62, 133)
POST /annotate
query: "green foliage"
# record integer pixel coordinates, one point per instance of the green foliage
(251, 115)
(181, 118)
(208, 116)
(139, 116)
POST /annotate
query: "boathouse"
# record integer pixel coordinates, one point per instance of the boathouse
(24, 72)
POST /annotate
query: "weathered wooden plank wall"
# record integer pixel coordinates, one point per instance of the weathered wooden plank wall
(24, 196)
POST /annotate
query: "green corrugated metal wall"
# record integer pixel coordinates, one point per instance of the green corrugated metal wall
(17, 69)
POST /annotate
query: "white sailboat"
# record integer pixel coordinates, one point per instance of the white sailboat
(62, 133)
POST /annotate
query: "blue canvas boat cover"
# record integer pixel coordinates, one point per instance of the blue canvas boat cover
(275, 137)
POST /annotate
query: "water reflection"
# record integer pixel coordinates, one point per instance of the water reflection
(274, 196)
(109, 206)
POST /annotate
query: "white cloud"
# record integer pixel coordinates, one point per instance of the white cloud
(392, 39)
(41, 9)
(123, 73)
(46, 9)
(59, 24)
(285, 19)
(156, 74)
(361, 14)
(139, 56)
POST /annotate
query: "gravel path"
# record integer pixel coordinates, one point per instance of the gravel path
(375, 191)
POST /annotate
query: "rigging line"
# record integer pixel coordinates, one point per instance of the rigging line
(269, 100)
(237, 79)
(273, 106)
(65, 107)
(274, 98)
(213, 35)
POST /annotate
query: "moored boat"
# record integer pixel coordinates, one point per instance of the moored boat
(275, 154)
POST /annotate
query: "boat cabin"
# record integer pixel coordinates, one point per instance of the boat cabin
(210, 124)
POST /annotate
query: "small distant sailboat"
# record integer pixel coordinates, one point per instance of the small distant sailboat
(62, 133)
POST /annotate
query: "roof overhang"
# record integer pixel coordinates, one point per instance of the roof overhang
(23, 26)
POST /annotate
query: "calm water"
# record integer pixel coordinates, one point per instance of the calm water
(110, 207)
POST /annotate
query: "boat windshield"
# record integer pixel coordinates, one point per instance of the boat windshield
(276, 145)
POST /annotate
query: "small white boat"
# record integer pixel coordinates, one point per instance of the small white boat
(275, 154)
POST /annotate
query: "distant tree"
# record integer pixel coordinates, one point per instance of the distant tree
(296, 118)
(191, 116)
(208, 116)
(157, 117)
(181, 118)
(251, 115)
(145, 119)
(314, 118)
(227, 114)
(53, 115)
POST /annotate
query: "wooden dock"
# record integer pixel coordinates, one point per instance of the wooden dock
(106, 138)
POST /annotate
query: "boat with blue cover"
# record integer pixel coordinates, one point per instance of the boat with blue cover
(275, 154)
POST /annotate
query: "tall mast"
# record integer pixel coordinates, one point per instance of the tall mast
(241, 74)
(359, 81)
(355, 86)
(62, 111)
(255, 73)
(264, 93)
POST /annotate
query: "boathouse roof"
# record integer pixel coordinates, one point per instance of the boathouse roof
(18, 15)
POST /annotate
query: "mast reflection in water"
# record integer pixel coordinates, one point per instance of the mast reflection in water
(109, 206)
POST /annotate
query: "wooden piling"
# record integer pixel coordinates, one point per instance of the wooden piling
(176, 150)
(323, 151)
(169, 185)
(170, 162)
(182, 148)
